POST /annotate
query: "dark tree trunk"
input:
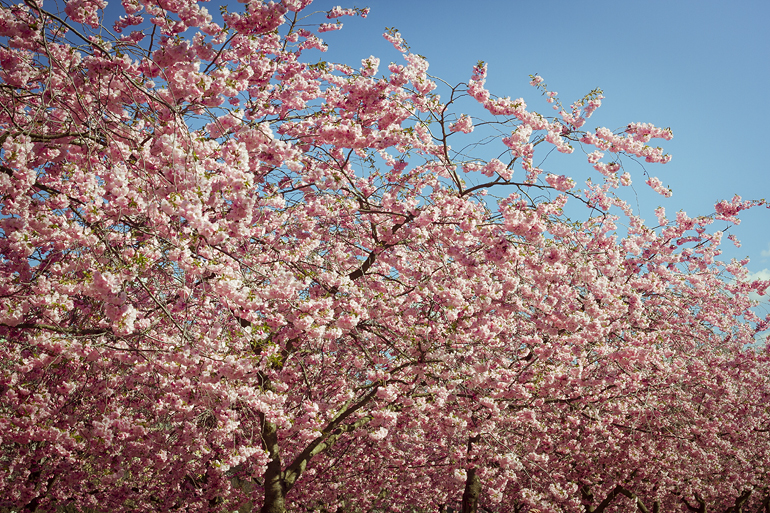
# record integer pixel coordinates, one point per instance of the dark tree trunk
(275, 486)
(472, 492)
(275, 498)
(472, 483)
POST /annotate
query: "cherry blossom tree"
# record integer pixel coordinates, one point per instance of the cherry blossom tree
(235, 277)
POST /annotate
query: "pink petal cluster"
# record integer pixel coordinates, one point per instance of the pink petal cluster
(658, 187)
(464, 125)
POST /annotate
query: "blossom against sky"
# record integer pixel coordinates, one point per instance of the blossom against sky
(701, 68)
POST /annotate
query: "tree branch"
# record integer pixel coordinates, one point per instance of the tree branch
(328, 437)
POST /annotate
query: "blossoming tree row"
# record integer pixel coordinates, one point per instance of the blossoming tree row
(233, 277)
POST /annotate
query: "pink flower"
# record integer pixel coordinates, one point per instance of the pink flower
(495, 167)
(595, 156)
(347, 321)
(625, 179)
(464, 125)
(369, 66)
(658, 187)
(560, 182)
(328, 27)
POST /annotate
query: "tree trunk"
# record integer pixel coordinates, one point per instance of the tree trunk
(472, 492)
(275, 486)
(275, 497)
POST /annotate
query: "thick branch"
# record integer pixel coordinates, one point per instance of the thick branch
(57, 329)
(372, 254)
(701, 508)
(765, 505)
(589, 498)
(639, 503)
(740, 501)
(328, 437)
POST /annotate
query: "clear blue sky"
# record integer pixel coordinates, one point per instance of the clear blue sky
(699, 67)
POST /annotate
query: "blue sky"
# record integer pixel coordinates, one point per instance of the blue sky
(701, 68)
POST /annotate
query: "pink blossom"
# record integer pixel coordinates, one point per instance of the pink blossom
(328, 27)
(536, 80)
(560, 182)
(495, 167)
(658, 187)
(464, 125)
